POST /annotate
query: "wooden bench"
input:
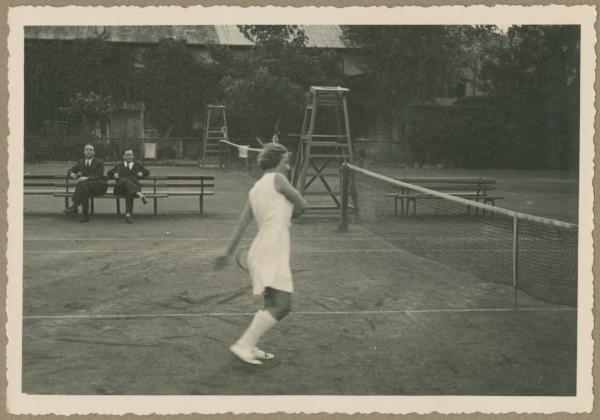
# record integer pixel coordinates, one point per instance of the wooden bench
(476, 189)
(153, 187)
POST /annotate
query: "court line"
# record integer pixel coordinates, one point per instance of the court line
(295, 237)
(81, 239)
(167, 239)
(162, 238)
(313, 313)
(294, 251)
(210, 252)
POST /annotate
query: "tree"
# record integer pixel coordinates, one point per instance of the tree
(405, 67)
(530, 77)
(91, 110)
(538, 69)
(177, 86)
(56, 71)
(264, 88)
(406, 64)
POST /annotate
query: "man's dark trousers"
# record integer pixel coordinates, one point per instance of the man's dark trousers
(128, 184)
(128, 189)
(84, 191)
(94, 186)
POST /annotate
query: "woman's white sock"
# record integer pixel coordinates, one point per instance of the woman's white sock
(263, 320)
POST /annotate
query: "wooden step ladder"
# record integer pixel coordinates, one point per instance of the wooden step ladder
(325, 144)
(215, 130)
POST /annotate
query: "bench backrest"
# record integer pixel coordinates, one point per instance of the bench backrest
(41, 182)
(442, 180)
(156, 183)
(462, 184)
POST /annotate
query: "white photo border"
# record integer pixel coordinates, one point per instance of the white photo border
(19, 17)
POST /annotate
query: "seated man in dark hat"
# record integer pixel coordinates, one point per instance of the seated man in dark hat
(128, 173)
(89, 173)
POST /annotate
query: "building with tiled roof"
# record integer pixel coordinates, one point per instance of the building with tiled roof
(319, 36)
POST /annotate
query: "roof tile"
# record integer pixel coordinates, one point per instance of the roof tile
(319, 36)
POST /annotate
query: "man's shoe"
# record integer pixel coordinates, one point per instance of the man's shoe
(85, 218)
(128, 219)
(144, 199)
(70, 210)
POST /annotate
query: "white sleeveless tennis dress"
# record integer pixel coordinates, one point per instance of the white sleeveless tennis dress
(269, 254)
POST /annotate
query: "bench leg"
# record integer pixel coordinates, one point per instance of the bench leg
(201, 198)
(408, 201)
(155, 206)
(66, 203)
(489, 201)
(396, 206)
(118, 207)
(402, 206)
(92, 206)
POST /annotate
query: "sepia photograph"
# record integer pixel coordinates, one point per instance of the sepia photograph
(303, 209)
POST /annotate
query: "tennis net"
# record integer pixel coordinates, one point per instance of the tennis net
(533, 254)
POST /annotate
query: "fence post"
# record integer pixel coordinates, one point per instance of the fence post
(515, 251)
(343, 226)
(351, 181)
(220, 155)
(67, 191)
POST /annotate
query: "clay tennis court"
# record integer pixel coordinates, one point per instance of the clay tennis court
(111, 308)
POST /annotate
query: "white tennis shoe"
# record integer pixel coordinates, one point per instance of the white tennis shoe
(245, 354)
(263, 355)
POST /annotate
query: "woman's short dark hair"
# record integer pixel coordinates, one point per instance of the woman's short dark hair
(271, 155)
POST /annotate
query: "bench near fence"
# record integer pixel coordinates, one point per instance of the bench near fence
(476, 189)
(153, 187)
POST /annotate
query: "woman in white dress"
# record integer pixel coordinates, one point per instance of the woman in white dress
(272, 202)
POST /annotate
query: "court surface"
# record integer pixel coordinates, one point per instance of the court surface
(111, 308)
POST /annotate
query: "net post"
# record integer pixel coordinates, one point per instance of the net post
(515, 264)
(343, 226)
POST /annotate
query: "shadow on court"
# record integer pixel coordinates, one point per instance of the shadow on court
(111, 308)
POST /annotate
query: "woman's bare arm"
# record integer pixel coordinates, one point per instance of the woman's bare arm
(243, 222)
(283, 186)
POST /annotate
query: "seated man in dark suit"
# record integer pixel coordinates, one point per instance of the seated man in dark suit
(127, 173)
(89, 173)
